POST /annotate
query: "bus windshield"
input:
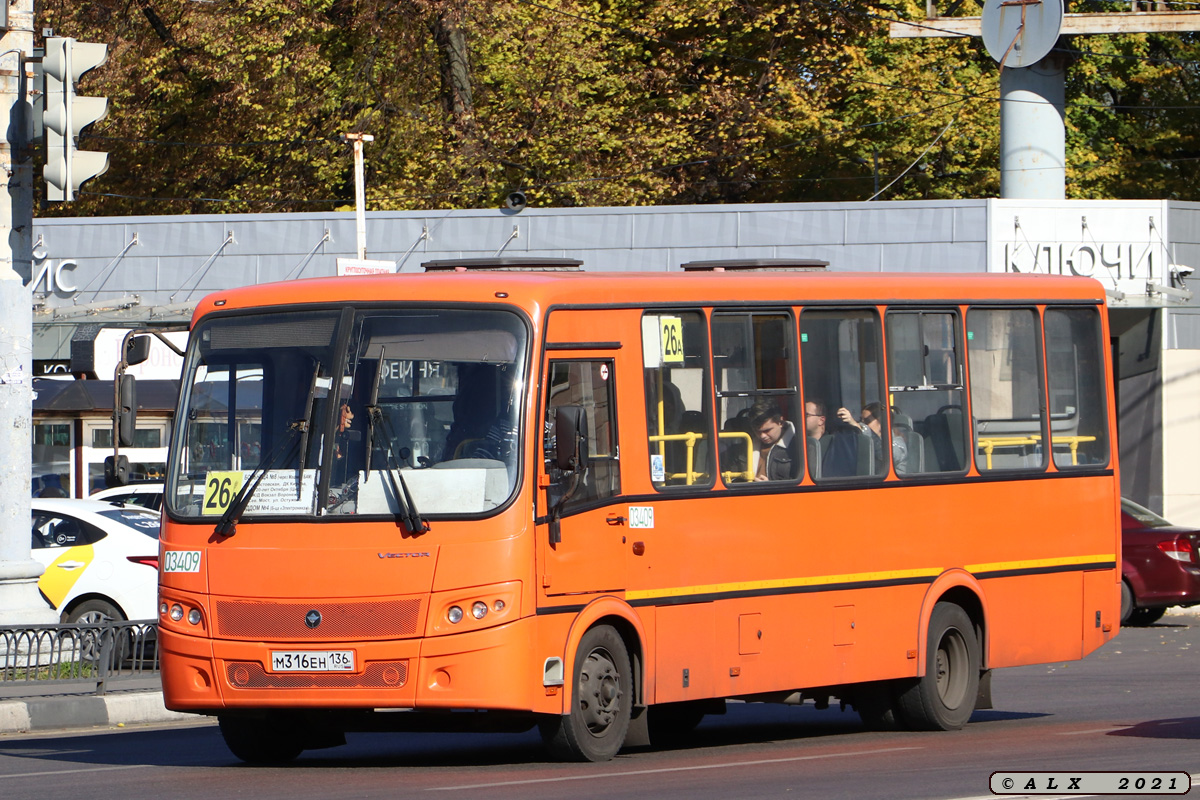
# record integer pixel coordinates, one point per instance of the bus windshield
(333, 412)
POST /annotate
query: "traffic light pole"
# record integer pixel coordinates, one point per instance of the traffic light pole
(20, 603)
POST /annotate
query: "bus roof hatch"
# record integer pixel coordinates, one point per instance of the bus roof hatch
(506, 263)
(756, 264)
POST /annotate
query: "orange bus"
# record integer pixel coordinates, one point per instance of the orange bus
(509, 492)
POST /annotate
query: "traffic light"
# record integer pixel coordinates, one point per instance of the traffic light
(65, 114)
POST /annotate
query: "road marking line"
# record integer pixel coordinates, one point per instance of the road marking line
(1093, 730)
(72, 771)
(690, 768)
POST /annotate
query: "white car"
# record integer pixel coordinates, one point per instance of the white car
(146, 495)
(100, 560)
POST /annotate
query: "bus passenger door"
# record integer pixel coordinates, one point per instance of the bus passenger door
(579, 535)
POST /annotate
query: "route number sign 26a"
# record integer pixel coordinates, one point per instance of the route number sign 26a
(672, 340)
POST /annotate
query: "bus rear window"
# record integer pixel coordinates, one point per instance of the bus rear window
(1075, 366)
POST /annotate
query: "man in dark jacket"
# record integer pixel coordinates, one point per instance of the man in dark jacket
(777, 449)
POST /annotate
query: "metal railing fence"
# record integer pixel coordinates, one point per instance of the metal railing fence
(80, 657)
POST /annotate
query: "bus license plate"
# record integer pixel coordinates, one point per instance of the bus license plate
(312, 660)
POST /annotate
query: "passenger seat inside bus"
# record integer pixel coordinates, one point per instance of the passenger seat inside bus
(944, 440)
(914, 461)
(843, 453)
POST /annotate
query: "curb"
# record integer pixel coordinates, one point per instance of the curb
(83, 711)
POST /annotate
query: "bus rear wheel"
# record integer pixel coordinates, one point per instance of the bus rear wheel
(601, 701)
(944, 697)
(261, 740)
(1127, 603)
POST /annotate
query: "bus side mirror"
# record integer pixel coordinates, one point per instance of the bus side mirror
(126, 411)
(570, 438)
(137, 350)
(116, 471)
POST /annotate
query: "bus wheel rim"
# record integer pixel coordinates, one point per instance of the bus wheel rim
(599, 691)
(951, 666)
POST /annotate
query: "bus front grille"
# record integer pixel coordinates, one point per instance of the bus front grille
(376, 675)
(338, 620)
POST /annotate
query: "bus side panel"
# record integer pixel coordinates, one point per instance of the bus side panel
(685, 652)
(872, 633)
(813, 639)
(1035, 618)
(764, 644)
(1101, 607)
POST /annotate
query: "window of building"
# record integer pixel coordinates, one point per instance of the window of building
(845, 393)
(758, 399)
(51, 459)
(142, 437)
(1004, 354)
(678, 392)
(139, 471)
(925, 377)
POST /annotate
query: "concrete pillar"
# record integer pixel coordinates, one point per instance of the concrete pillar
(1033, 152)
(20, 603)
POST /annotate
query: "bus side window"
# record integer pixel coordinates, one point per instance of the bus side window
(843, 385)
(678, 398)
(754, 367)
(1004, 354)
(1075, 366)
(925, 385)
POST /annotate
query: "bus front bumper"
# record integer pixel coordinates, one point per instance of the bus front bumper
(494, 668)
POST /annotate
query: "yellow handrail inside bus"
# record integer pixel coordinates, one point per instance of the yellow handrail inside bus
(689, 440)
(989, 443)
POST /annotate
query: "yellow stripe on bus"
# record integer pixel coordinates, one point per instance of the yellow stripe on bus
(858, 577)
(1065, 561)
(783, 583)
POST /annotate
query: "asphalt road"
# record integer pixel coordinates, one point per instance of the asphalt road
(1131, 706)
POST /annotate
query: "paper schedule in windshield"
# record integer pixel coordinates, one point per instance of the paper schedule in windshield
(281, 491)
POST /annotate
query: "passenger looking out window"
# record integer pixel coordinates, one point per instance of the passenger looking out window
(870, 423)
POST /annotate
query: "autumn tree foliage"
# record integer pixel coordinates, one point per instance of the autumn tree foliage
(238, 105)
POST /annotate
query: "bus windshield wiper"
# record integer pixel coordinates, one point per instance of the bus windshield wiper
(227, 525)
(408, 513)
(372, 408)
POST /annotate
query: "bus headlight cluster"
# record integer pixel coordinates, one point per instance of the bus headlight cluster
(473, 608)
(479, 610)
(176, 612)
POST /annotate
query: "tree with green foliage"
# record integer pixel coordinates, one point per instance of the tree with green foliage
(221, 106)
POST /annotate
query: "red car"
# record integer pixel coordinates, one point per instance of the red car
(1161, 565)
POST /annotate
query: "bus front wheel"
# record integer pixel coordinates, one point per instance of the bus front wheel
(601, 701)
(267, 740)
(944, 697)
